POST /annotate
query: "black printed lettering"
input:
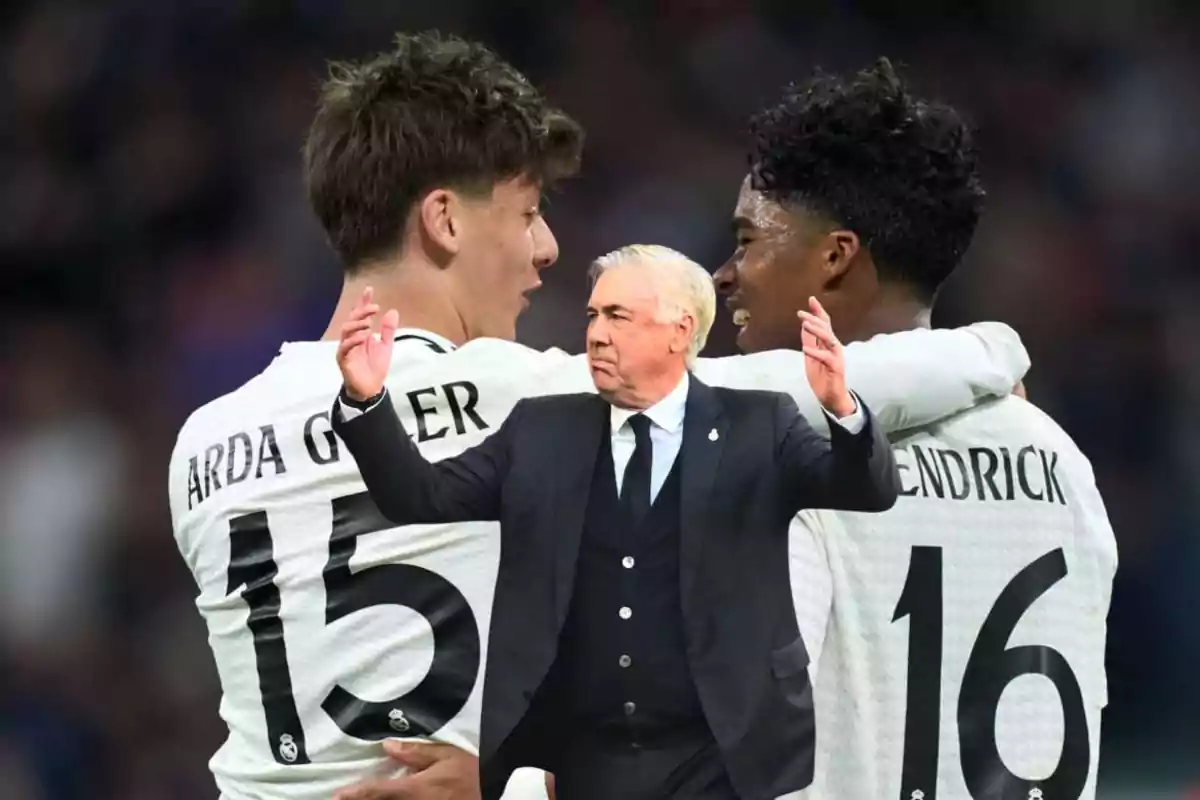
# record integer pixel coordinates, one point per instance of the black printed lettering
(960, 466)
(330, 440)
(1052, 486)
(247, 449)
(903, 468)
(274, 457)
(194, 489)
(1006, 459)
(422, 413)
(212, 463)
(467, 409)
(984, 475)
(1023, 473)
(927, 466)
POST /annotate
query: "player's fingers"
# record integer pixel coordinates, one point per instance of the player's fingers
(807, 316)
(822, 356)
(345, 345)
(815, 305)
(364, 311)
(391, 789)
(823, 334)
(354, 326)
(361, 791)
(815, 322)
(355, 339)
(418, 756)
(388, 325)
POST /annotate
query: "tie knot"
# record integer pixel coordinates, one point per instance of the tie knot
(641, 427)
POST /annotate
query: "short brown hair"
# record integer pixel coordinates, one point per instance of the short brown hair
(433, 111)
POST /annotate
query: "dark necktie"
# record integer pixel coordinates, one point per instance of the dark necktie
(635, 490)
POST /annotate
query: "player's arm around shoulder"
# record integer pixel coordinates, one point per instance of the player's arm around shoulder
(908, 379)
(917, 377)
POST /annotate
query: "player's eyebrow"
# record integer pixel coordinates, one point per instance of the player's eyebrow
(741, 222)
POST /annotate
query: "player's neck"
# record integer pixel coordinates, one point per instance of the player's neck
(421, 303)
(895, 309)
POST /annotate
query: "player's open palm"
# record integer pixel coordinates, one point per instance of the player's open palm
(825, 361)
(362, 356)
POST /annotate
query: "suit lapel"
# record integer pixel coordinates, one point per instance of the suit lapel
(705, 426)
(574, 451)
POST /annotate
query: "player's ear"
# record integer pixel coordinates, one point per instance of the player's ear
(440, 218)
(838, 252)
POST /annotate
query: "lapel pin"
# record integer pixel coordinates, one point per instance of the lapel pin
(713, 435)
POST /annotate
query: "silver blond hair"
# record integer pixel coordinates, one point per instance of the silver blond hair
(683, 287)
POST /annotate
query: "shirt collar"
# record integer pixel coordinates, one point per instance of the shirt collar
(435, 342)
(414, 336)
(666, 413)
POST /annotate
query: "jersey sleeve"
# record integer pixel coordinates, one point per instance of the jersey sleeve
(812, 583)
(1097, 547)
(178, 497)
(907, 379)
(531, 373)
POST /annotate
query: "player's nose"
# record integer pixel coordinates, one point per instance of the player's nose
(545, 245)
(725, 278)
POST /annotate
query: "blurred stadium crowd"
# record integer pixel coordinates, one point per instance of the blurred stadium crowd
(156, 249)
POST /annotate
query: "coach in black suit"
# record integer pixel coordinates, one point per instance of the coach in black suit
(643, 641)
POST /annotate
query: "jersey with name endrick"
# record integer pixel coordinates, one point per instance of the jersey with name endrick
(964, 657)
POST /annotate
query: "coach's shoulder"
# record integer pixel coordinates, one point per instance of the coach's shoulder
(560, 403)
(753, 398)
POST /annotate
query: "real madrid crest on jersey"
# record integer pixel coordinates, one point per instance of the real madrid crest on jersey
(398, 721)
(287, 748)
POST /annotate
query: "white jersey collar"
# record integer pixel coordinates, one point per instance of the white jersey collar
(435, 342)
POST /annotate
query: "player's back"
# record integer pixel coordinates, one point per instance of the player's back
(965, 652)
(330, 628)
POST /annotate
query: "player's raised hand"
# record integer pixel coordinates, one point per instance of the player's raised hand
(437, 772)
(825, 360)
(362, 356)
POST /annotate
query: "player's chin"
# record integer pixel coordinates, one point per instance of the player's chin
(746, 339)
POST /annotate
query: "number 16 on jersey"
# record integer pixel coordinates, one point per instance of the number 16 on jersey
(991, 667)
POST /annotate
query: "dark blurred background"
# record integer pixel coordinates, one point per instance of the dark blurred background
(156, 248)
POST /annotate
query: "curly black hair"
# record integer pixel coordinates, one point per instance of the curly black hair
(899, 171)
(433, 111)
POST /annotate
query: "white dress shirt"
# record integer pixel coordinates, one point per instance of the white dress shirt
(666, 434)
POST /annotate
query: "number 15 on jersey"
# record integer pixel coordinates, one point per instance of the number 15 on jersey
(456, 647)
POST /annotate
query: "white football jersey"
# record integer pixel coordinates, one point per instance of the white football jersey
(965, 653)
(331, 629)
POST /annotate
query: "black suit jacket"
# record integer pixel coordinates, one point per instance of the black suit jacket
(740, 489)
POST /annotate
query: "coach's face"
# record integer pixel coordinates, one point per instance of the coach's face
(634, 356)
(504, 243)
(783, 257)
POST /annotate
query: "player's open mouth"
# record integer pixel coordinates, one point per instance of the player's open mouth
(741, 317)
(525, 295)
